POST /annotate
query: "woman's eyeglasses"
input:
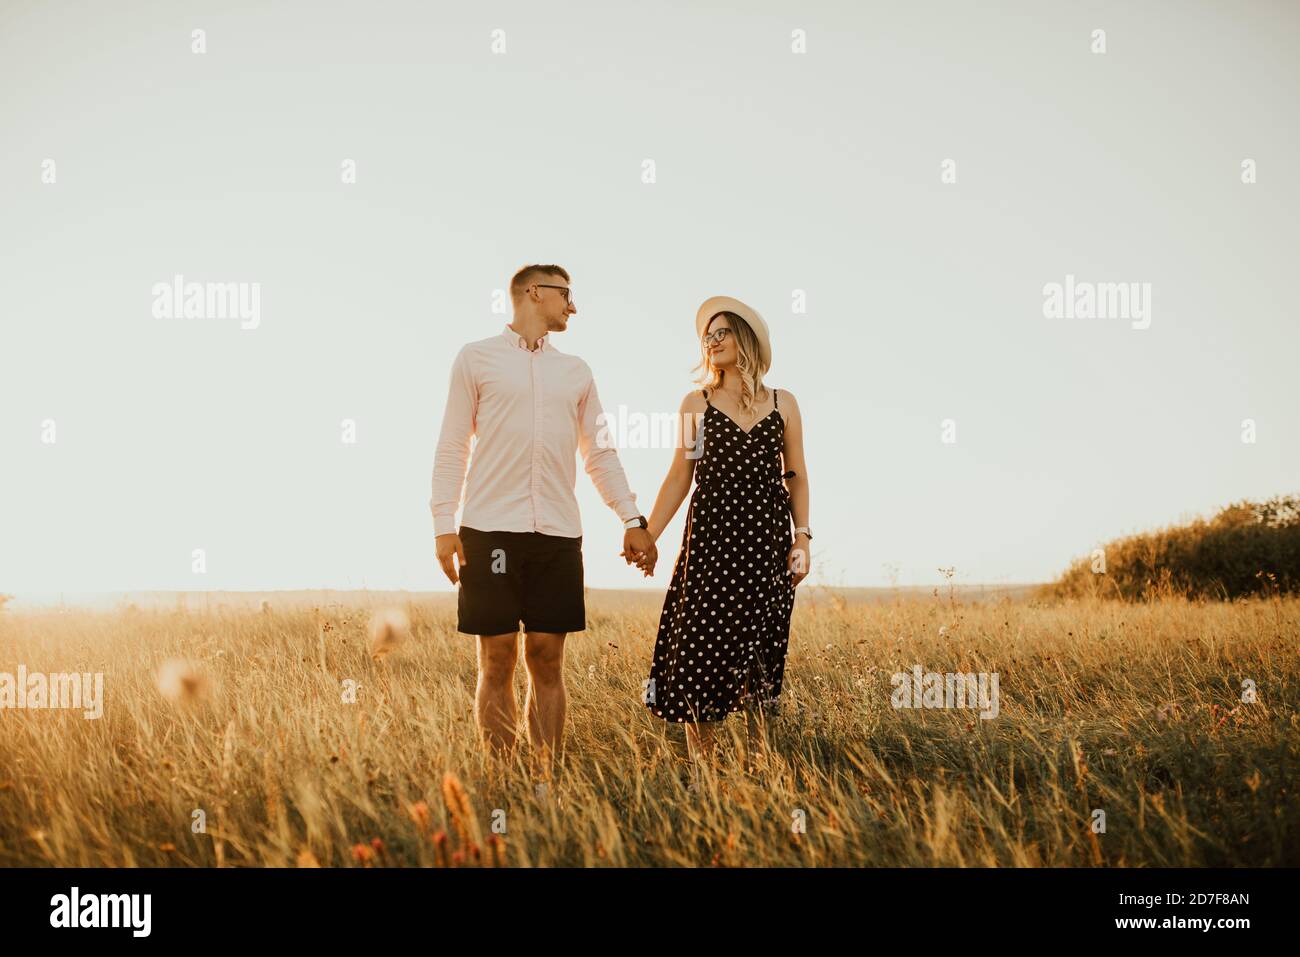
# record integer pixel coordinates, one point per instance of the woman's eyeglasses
(716, 335)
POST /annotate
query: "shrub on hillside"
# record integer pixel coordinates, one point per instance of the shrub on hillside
(1248, 548)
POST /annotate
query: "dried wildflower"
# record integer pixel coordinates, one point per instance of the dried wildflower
(387, 631)
(498, 850)
(440, 858)
(181, 681)
(457, 805)
(419, 812)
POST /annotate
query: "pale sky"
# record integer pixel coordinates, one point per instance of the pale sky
(775, 171)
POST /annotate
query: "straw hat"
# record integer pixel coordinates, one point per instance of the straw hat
(718, 304)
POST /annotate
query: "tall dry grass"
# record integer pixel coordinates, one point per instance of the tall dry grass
(1134, 709)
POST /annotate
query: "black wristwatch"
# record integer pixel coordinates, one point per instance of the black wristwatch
(638, 522)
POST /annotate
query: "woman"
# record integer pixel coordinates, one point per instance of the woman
(725, 622)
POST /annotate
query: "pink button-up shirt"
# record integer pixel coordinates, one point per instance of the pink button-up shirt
(528, 411)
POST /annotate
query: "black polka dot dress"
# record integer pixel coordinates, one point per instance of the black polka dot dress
(725, 623)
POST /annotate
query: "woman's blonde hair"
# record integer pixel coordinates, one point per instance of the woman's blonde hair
(749, 366)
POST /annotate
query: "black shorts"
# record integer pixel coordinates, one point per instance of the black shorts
(510, 577)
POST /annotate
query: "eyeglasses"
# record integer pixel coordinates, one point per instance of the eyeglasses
(717, 335)
(568, 293)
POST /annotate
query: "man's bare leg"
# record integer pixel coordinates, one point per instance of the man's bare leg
(494, 698)
(547, 702)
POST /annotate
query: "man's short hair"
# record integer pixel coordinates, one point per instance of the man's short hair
(530, 274)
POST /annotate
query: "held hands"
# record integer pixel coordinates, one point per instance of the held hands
(797, 561)
(449, 546)
(639, 548)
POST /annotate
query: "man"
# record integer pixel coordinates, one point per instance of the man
(519, 545)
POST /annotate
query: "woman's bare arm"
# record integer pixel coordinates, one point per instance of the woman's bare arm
(797, 483)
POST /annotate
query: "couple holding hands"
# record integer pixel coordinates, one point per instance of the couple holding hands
(517, 555)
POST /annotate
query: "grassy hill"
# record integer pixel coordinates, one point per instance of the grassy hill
(1248, 548)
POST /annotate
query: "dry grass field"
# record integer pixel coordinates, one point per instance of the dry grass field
(1133, 709)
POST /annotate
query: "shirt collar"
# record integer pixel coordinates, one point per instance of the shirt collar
(519, 342)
